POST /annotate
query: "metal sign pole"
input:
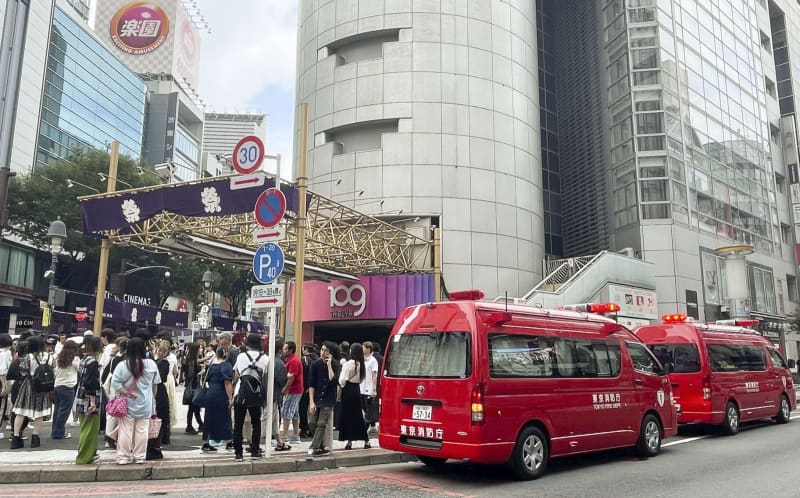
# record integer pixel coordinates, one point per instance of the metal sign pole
(270, 385)
(105, 246)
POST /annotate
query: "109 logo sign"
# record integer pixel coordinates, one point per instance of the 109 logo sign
(342, 296)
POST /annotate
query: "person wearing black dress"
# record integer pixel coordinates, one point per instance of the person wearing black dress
(162, 398)
(352, 426)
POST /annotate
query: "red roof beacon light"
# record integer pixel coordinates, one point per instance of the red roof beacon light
(674, 318)
(467, 295)
(600, 308)
(604, 308)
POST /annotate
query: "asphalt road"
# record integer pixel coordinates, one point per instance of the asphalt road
(760, 461)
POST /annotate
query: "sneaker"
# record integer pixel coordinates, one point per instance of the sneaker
(229, 446)
(122, 461)
(322, 452)
(17, 443)
(238, 458)
(68, 435)
(310, 455)
(255, 455)
(190, 430)
(138, 460)
(294, 439)
(207, 448)
(2, 436)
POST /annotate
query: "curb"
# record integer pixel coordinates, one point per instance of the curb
(64, 473)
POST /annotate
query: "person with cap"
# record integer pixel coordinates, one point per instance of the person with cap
(249, 371)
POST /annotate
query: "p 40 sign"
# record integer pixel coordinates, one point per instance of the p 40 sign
(268, 263)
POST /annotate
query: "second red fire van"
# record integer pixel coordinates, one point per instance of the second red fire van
(519, 385)
(721, 374)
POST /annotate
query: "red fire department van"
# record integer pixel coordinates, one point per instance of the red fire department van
(721, 374)
(491, 383)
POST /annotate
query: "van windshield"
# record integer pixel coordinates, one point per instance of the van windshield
(685, 358)
(429, 355)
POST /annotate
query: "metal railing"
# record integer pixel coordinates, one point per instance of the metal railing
(560, 272)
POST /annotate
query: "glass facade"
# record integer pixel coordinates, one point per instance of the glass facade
(548, 112)
(90, 97)
(690, 136)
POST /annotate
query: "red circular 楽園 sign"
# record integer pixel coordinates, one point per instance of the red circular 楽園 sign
(139, 28)
(80, 316)
(248, 155)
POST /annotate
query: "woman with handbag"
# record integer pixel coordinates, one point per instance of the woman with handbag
(163, 406)
(87, 400)
(133, 383)
(190, 371)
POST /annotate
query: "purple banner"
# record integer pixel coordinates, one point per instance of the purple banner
(116, 310)
(210, 198)
(237, 325)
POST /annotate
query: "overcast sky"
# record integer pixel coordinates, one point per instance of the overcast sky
(248, 64)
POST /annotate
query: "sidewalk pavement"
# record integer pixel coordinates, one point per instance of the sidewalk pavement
(54, 461)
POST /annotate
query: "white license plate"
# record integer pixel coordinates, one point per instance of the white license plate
(422, 412)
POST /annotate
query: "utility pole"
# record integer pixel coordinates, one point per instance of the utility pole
(12, 41)
(300, 253)
(105, 247)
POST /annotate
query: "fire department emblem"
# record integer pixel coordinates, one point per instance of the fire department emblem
(660, 396)
(420, 389)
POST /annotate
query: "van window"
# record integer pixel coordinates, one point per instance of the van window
(685, 358)
(643, 359)
(777, 359)
(734, 358)
(543, 356)
(429, 355)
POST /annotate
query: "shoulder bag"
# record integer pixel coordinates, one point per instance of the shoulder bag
(200, 397)
(118, 407)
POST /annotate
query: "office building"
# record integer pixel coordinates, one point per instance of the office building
(221, 133)
(90, 98)
(432, 109)
(160, 41)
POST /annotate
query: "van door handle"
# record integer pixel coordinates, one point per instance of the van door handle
(638, 381)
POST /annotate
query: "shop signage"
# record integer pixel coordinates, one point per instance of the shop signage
(139, 28)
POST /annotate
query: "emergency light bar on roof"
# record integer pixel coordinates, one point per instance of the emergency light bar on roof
(600, 308)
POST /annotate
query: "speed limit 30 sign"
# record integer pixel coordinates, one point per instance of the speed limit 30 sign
(248, 155)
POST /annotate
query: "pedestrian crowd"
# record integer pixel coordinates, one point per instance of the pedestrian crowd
(125, 387)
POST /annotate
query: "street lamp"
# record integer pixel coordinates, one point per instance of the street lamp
(57, 233)
(208, 280)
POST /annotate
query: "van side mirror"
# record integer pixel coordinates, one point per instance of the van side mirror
(792, 363)
(669, 367)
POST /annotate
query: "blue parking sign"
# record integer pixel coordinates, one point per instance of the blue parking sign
(268, 263)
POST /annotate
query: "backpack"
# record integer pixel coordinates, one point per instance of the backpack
(44, 377)
(251, 388)
(281, 377)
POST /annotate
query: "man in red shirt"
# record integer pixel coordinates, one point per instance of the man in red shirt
(292, 392)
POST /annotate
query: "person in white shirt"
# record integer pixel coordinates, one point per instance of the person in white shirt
(369, 386)
(252, 362)
(108, 336)
(66, 377)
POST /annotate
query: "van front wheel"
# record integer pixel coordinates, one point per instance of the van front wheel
(785, 413)
(649, 444)
(731, 424)
(530, 454)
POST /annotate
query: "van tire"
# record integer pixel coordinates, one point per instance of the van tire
(649, 443)
(431, 461)
(730, 426)
(530, 454)
(784, 413)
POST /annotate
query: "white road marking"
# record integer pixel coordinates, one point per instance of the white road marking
(681, 441)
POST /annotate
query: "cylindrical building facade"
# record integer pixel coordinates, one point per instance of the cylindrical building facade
(428, 110)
